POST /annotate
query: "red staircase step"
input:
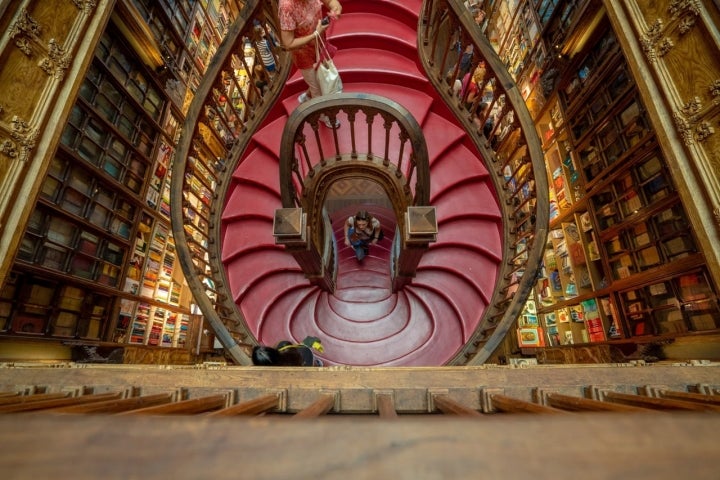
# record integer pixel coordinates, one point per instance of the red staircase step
(251, 201)
(363, 310)
(469, 264)
(441, 136)
(387, 67)
(259, 167)
(465, 168)
(268, 137)
(464, 232)
(406, 11)
(387, 33)
(244, 271)
(456, 290)
(272, 288)
(364, 329)
(275, 326)
(249, 235)
(466, 198)
(445, 338)
(417, 332)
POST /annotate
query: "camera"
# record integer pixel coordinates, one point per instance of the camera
(325, 20)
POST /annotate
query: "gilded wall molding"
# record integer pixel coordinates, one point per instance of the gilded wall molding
(26, 32)
(57, 61)
(85, 6)
(673, 47)
(657, 39)
(44, 48)
(694, 120)
(21, 142)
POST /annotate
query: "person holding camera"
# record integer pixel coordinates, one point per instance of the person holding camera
(301, 23)
(361, 231)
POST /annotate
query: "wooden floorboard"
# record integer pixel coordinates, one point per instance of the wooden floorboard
(588, 446)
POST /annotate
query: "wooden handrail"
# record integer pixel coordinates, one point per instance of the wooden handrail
(38, 397)
(214, 134)
(512, 152)
(691, 397)
(658, 403)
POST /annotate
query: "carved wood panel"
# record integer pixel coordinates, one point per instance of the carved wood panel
(42, 52)
(680, 41)
(679, 44)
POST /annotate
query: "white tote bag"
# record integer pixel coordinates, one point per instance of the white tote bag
(327, 75)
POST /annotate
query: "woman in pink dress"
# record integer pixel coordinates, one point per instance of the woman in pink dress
(300, 25)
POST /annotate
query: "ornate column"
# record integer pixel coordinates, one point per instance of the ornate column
(45, 51)
(673, 48)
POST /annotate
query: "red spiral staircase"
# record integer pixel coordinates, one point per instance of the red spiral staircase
(363, 322)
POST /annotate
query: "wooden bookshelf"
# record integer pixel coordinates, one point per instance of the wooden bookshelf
(620, 240)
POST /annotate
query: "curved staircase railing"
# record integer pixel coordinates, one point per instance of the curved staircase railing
(310, 163)
(218, 128)
(226, 110)
(502, 130)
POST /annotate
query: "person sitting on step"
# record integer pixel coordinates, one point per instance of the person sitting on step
(361, 231)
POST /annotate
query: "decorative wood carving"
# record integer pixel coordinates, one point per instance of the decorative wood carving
(85, 6)
(57, 60)
(681, 47)
(38, 46)
(23, 139)
(28, 29)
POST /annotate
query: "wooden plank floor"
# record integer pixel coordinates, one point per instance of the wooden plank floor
(588, 446)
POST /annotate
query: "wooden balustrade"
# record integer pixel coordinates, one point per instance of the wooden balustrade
(251, 407)
(502, 129)
(217, 128)
(385, 405)
(184, 407)
(319, 407)
(64, 400)
(383, 392)
(12, 399)
(405, 177)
